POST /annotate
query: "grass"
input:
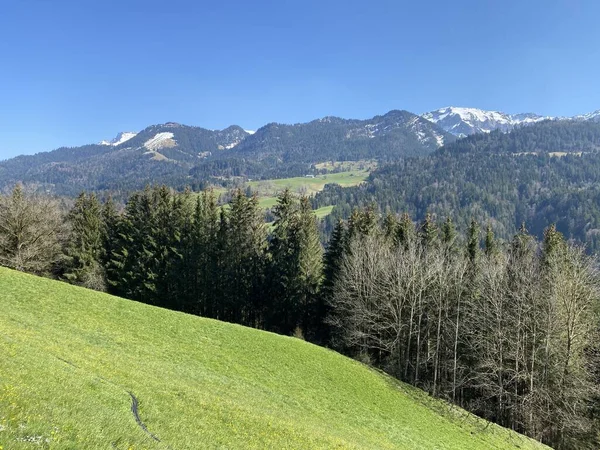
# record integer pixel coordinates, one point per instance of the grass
(369, 164)
(70, 356)
(307, 185)
(323, 211)
(267, 190)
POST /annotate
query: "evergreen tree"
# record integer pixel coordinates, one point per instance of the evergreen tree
(473, 239)
(491, 246)
(83, 254)
(428, 232)
(244, 263)
(331, 268)
(310, 267)
(406, 231)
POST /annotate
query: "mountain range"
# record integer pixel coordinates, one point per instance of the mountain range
(466, 121)
(180, 155)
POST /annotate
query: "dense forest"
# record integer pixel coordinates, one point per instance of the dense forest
(540, 174)
(505, 328)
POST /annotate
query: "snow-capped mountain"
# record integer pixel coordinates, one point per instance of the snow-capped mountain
(466, 121)
(593, 116)
(120, 138)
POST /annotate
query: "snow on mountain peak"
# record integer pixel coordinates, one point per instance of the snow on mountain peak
(120, 138)
(593, 116)
(464, 121)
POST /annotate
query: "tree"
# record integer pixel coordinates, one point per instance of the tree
(31, 230)
(83, 252)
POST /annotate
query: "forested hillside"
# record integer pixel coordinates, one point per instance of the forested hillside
(538, 175)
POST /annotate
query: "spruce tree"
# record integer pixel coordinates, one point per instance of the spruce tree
(310, 267)
(428, 232)
(473, 243)
(406, 232)
(332, 261)
(491, 246)
(83, 254)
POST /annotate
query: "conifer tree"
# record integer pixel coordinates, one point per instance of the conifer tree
(244, 261)
(83, 254)
(310, 267)
(491, 246)
(428, 232)
(406, 232)
(473, 241)
(449, 236)
(332, 261)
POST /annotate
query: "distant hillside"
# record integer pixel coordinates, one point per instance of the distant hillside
(180, 155)
(541, 174)
(387, 137)
(87, 370)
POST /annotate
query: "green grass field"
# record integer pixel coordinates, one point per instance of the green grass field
(306, 185)
(268, 189)
(71, 357)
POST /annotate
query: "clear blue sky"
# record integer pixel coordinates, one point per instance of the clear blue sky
(75, 72)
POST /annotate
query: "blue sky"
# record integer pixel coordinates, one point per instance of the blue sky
(75, 72)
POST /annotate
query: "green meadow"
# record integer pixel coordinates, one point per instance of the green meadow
(73, 360)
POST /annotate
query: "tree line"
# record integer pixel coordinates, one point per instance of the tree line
(505, 329)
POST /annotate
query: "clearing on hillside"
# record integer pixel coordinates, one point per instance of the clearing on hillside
(85, 370)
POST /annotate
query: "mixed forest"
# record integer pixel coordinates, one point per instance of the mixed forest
(506, 327)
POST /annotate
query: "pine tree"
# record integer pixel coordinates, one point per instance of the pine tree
(83, 254)
(331, 268)
(244, 261)
(406, 233)
(473, 239)
(310, 266)
(449, 235)
(491, 247)
(428, 232)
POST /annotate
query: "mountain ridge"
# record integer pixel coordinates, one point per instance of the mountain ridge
(181, 155)
(465, 121)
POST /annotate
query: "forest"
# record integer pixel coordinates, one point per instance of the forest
(540, 174)
(506, 328)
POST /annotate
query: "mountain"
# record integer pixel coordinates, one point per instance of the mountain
(593, 116)
(87, 370)
(180, 155)
(121, 137)
(466, 121)
(395, 134)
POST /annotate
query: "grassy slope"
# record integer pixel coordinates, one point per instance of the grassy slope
(69, 356)
(308, 185)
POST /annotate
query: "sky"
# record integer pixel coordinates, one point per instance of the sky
(76, 72)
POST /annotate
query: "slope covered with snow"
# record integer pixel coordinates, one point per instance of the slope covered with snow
(466, 121)
(120, 138)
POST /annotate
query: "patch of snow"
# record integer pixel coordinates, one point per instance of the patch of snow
(250, 131)
(121, 137)
(159, 141)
